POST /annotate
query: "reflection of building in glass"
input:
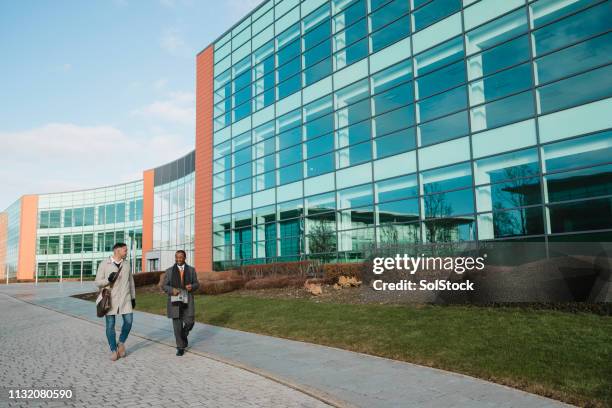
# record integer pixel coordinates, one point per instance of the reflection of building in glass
(326, 127)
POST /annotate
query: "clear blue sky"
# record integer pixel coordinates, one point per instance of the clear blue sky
(93, 92)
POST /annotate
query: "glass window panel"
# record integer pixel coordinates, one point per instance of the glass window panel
(576, 90)
(289, 86)
(446, 128)
(319, 126)
(573, 28)
(289, 138)
(448, 204)
(321, 203)
(391, 33)
(355, 218)
(502, 84)
(581, 216)
(398, 211)
(320, 165)
(317, 53)
(441, 80)
(353, 134)
(496, 31)
(290, 173)
(510, 194)
(350, 35)
(355, 196)
(442, 104)
(317, 35)
(320, 145)
(318, 71)
(392, 76)
(395, 120)
(288, 52)
(392, 99)
(387, 14)
(502, 112)
(396, 188)
(545, 11)
(439, 56)
(355, 154)
(574, 153)
(433, 12)
(348, 15)
(395, 143)
(446, 178)
(508, 166)
(577, 184)
(290, 155)
(513, 223)
(351, 54)
(289, 69)
(594, 52)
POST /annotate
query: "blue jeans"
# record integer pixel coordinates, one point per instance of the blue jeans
(125, 329)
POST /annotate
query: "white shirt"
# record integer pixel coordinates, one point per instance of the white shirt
(116, 262)
(181, 267)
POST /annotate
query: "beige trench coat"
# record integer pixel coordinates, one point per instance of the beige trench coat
(122, 291)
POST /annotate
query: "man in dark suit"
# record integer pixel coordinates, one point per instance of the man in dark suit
(180, 283)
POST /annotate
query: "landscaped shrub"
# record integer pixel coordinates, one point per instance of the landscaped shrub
(299, 268)
(275, 282)
(332, 271)
(147, 278)
(220, 286)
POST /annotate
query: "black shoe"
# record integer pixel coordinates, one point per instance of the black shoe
(180, 351)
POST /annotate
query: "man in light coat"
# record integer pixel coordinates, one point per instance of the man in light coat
(181, 277)
(115, 273)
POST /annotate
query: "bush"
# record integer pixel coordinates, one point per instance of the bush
(220, 286)
(331, 272)
(275, 282)
(299, 268)
(147, 278)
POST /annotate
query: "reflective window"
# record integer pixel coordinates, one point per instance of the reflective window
(573, 28)
(434, 11)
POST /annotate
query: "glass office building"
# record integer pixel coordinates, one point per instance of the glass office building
(326, 128)
(173, 218)
(339, 125)
(77, 230)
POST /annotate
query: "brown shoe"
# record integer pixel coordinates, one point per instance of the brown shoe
(121, 350)
(114, 356)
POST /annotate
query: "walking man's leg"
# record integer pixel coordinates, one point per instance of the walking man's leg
(188, 322)
(125, 331)
(111, 336)
(177, 324)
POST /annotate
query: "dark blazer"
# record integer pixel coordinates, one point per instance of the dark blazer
(190, 277)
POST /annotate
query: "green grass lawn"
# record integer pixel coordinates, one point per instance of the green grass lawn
(566, 356)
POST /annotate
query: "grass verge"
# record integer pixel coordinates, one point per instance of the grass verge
(565, 356)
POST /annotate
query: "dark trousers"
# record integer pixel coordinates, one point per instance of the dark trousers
(182, 326)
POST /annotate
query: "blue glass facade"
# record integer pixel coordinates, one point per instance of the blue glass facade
(340, 124)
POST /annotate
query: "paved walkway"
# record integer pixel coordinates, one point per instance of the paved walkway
(337, 377)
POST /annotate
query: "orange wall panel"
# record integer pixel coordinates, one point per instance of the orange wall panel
(26, 264)
(203, 157)
(147, 215)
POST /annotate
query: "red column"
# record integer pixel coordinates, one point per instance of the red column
(203, 157)
(148, 177)
(26, 263)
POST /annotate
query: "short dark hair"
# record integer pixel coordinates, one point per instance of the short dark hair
(119, 245)
(180, 251)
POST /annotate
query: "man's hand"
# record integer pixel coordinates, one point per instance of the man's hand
(175, 291)
(112, 277)
(188, 287)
